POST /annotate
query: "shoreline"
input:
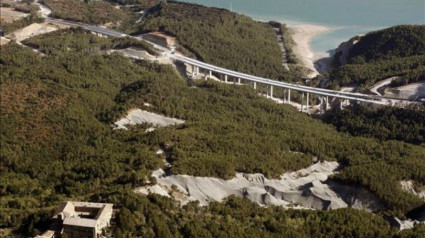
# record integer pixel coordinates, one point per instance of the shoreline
(302, 34)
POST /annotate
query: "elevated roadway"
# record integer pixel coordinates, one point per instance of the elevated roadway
(365, 98)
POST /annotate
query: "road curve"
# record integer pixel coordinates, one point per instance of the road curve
(317, 91)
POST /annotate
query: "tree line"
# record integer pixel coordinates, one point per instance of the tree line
(384, 124)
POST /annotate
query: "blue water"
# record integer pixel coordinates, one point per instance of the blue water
(349, 17)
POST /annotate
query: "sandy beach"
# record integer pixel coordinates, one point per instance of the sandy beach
(302, 35)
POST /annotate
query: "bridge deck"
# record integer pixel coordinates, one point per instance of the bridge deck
(317, 91)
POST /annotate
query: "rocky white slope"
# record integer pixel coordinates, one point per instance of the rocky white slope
(138, 116)
(409, 186)
(307, 188)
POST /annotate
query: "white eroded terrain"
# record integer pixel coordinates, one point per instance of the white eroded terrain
(142, 54)
(411, 91)
(307, 188)
(138, 116)
(32, 30)
(410, 187)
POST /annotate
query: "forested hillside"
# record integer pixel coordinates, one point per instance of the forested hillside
(57, 144)
(221, 37)
(391, 43)
(409, 69)
(93, 12)
(384, 124)
(395, 51)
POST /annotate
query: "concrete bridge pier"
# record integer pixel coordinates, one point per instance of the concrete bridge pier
(193, 70)
(271, 91)
(210, 74)
(255, 85)
(225, 78)
(302, 102)
(308, 99)
(327, 103)
(289, 96)
(347, 102)
(323, 105)
(239, 81)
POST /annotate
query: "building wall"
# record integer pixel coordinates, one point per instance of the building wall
(105, 218)
(78, 232)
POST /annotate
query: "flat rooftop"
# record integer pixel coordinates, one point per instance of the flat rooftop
(78, 221)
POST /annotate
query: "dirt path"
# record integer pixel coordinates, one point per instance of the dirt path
(379, 87)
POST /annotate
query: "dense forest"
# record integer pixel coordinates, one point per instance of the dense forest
(221, 37)
(384, 124)
(395, 51)
(57, 144)
(93, 12)
(237, 217)
(391, 43)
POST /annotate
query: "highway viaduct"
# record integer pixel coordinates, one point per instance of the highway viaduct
(321, 93)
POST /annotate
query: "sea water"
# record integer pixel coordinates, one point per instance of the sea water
(348, 18)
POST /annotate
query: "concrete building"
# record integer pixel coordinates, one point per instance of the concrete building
(161, 39)
(80, 220)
